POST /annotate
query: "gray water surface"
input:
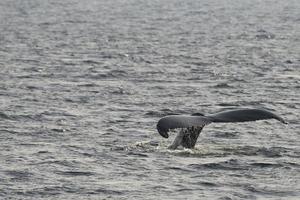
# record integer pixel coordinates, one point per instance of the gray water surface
(83, 84)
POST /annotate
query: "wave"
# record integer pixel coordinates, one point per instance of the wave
(208, 150)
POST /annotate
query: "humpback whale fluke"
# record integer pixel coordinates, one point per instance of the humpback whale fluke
(191, 125)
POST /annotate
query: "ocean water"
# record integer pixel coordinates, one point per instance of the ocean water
(83, 84)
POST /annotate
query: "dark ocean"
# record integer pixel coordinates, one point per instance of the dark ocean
(84, 82)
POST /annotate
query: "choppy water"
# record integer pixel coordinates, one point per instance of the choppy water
(83, 84)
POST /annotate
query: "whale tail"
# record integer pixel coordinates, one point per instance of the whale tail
(191, 125)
